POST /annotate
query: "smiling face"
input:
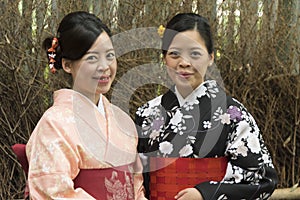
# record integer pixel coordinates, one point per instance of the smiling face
(187, 60)
(94, 73)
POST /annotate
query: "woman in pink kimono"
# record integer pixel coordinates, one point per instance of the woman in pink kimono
(84, 147)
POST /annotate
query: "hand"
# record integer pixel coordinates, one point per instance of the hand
(189, 194)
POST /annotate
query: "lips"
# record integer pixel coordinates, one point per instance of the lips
(103, 79)
(184, 74)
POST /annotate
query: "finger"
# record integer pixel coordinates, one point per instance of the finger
(180, 194)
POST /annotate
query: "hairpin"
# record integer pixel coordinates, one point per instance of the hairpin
(51, 54)
(161, 30)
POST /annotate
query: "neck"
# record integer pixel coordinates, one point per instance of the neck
(94, 98)
(91, 96)
(184, 91)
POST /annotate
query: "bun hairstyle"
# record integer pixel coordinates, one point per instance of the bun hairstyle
(76, 34)
(184, 22)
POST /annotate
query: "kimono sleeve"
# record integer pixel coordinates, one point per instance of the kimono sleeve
(250, 173)
(53, 161)
(138, 180)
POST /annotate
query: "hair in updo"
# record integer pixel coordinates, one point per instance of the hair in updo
(76, 34)
(184, 22)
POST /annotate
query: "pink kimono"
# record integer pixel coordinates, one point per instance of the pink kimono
(73, 138)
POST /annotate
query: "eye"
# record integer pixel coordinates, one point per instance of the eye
(174, 54)
(110, 56)
(195, 54)
(92, 58)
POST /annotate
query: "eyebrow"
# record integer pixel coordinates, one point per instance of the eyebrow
(197, 48)
(97, 52)
(193, 48)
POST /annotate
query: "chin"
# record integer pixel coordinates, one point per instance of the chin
(185, 85)
(102, 91)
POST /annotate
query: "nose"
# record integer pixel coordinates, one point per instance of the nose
(102, 66)
(184, 62)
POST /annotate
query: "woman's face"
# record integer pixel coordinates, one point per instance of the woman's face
(94, 73)
(187, 60)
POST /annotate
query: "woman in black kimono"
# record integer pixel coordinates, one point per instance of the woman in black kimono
(197, 142)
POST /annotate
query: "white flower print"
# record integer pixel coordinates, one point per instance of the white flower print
(149, 108)
(237, 175)
(66, 180)
(178, 128)
(186, 150)
(57, 117)
(36, 158)
(140, 110)
(219, 110)
(176, 119)
(265, 158)
(244, 129)
(192, 139)
(52, 146)
(176, 122)
(45, 168)
(212, 89)
(166, 148)
(256, 131)
(245, 116)
(206, 124)
(201, 92)
(253, 144)
(154, 134)
(234, 174)
(217, 114)
(147, 111)
(70, 119)
(242, 150)
(188, 106)
(225, 118)
(212, 83)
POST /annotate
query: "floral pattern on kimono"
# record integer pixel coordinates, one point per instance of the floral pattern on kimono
(210, 124)
(73, 135)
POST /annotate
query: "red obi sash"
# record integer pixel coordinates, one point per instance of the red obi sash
(170, 175)
(109, 183)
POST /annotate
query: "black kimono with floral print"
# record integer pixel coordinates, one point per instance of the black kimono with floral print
(210, 124)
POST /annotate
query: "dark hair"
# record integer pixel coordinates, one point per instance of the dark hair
(184, 22)
(76, 34)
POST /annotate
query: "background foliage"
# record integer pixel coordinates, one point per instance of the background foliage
(257, 48)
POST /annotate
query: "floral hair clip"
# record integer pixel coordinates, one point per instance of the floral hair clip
(52, 53)
(161, 30)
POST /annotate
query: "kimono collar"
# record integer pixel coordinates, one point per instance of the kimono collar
(198, 92)
(101, 106)
(66, 97)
